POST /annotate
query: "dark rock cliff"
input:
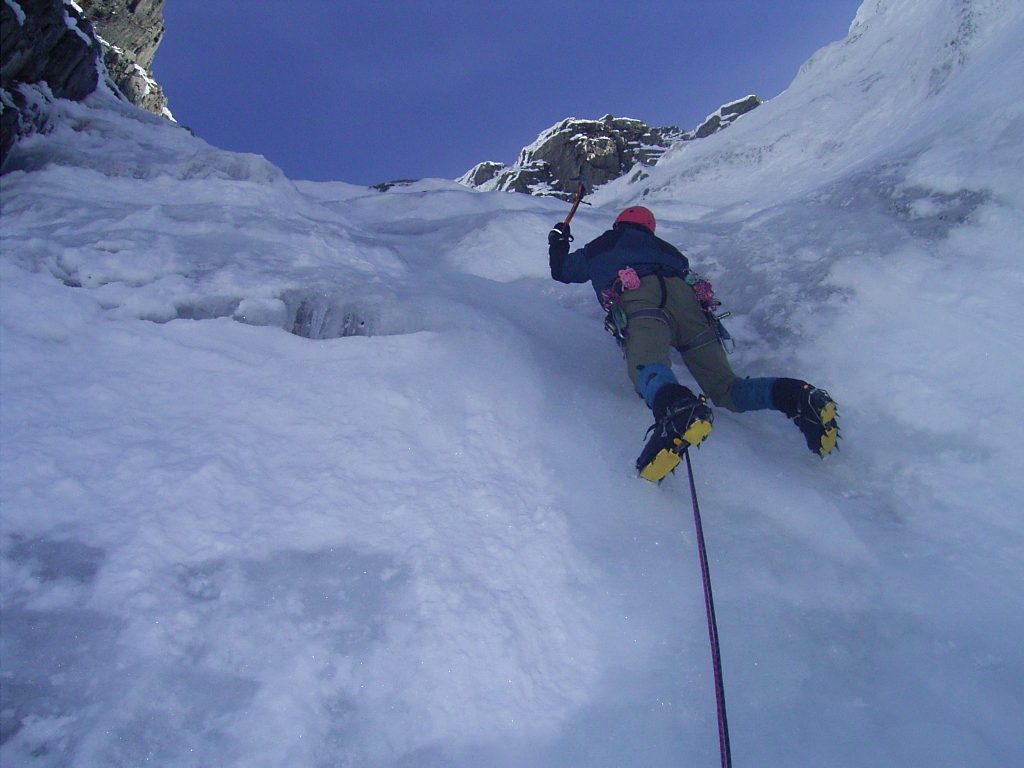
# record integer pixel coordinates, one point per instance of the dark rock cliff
(131, 31)
(47, 50)
(51, 49)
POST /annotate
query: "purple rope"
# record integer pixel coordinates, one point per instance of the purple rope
(709, 605)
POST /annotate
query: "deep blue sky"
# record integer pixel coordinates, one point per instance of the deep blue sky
(373, 91)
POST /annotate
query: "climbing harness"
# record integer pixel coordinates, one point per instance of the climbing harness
(715, 332)
(703, 290)
(705, 295)
(616, 320)
(709, 605)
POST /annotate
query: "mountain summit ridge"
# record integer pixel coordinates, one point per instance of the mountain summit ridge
(593, 152)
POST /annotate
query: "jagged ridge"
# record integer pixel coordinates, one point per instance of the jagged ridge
(593, 152)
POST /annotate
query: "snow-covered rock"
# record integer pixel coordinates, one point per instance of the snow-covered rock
(47, 50)
(593, 152)
(131, 31)
(573, 151)
(65, 50)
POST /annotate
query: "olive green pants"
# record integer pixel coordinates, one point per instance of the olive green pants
(649, 339)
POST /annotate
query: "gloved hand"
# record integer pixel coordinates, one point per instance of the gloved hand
(559, 233)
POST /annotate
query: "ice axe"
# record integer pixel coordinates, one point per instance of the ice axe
(580, 192)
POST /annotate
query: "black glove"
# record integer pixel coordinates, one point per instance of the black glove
(559, 233)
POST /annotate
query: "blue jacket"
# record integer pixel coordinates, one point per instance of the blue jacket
(625, 245)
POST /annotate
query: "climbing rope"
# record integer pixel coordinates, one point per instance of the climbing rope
(709, 605)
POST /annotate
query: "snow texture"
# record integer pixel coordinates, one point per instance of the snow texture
(306, 474)
(19, 13)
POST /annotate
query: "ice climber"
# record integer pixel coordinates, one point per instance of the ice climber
(655, 301)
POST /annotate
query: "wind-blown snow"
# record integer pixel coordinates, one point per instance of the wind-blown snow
(301, 474)
(19, 13)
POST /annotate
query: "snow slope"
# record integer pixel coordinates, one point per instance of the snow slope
(302, 474)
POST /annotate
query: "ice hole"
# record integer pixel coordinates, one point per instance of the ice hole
(322, 316)
(317, 315)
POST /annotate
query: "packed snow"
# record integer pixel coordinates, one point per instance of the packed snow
(307, 474)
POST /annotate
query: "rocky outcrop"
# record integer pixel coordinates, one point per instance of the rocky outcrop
(131, 31)
(725, 116)
(593, 152)
(52, 49)
(482, 173)
(47, 50)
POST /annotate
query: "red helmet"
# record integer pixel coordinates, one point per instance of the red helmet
(637, 214)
